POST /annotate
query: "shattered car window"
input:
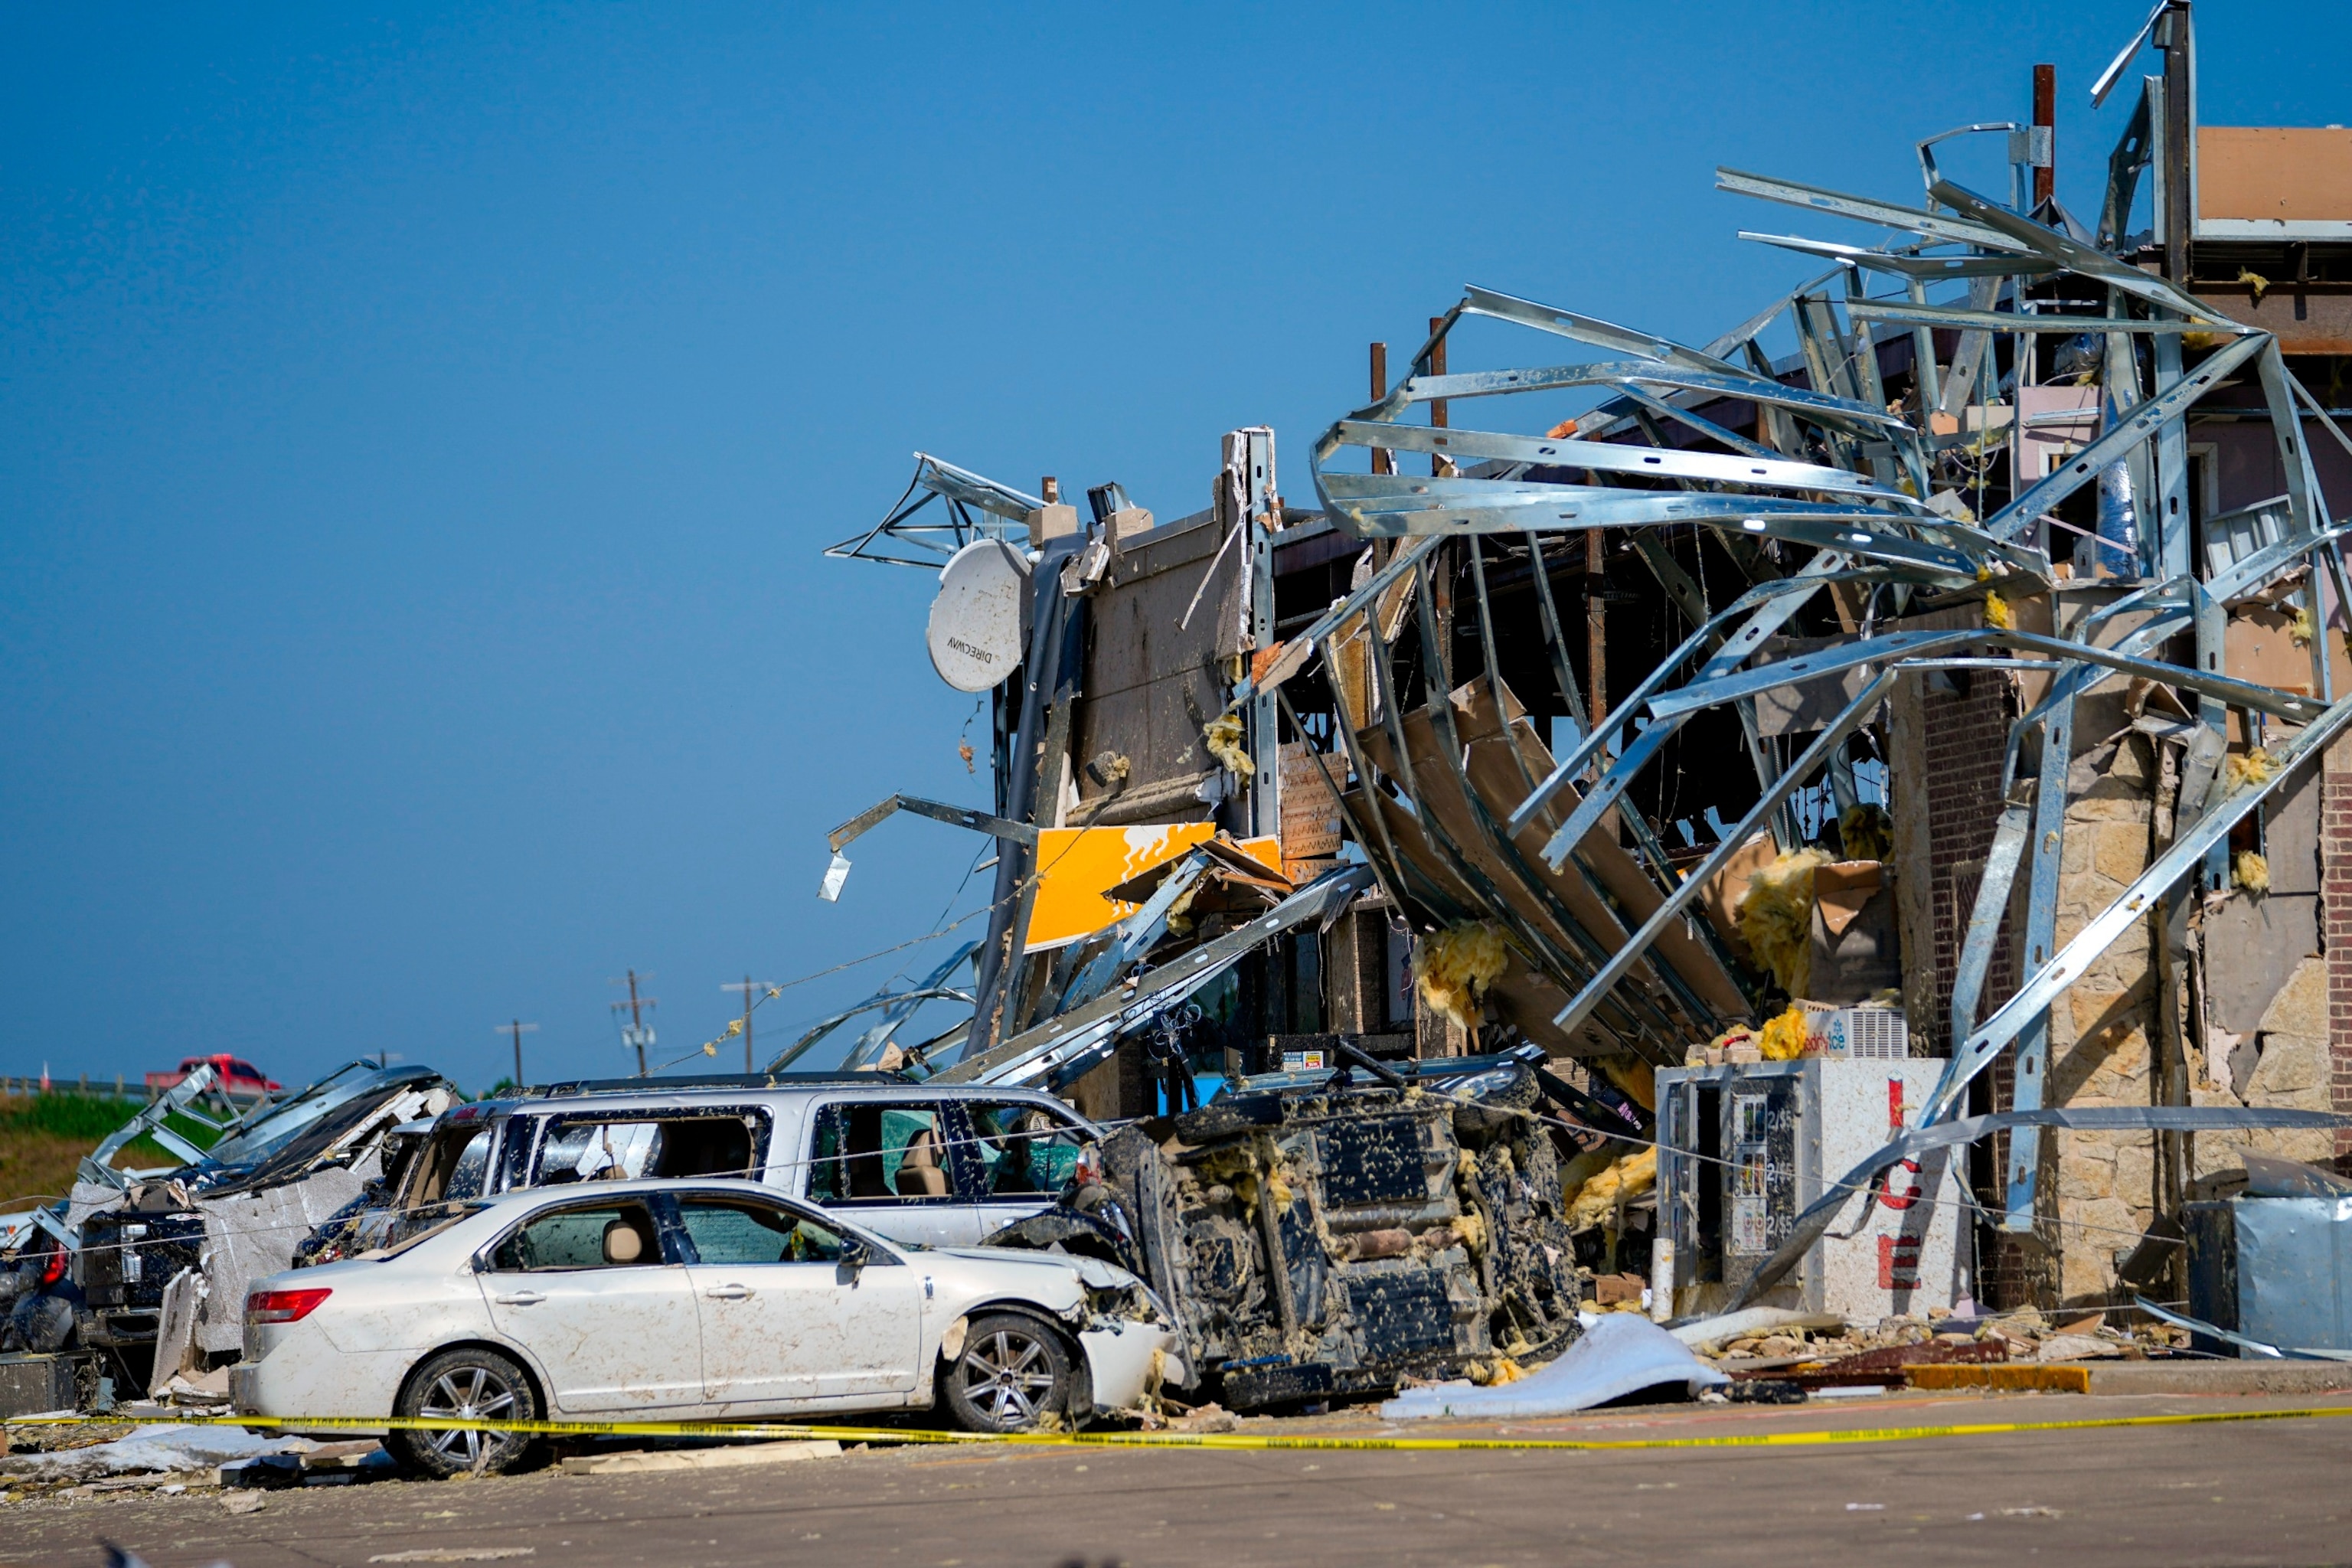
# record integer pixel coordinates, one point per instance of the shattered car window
(593, 1151)
(438, 1222)
(1024, 1150)
(586, 1149)
(725, 1231)
(864, 1153)
(473, 1164)
(280, 1124)
(605, 1235)
(453, 1165)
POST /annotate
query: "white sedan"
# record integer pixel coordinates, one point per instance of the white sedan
(689, 1300)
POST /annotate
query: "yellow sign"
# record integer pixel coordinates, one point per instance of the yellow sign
(1075, 865)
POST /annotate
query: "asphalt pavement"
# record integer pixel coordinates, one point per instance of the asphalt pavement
(2264, 1491)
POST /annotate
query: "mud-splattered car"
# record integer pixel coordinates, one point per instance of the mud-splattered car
(699, 1300)
(1322, 1233)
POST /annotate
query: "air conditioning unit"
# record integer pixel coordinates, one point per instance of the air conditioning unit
(1745, 1147)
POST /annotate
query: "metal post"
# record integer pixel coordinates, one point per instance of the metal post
(1596, 627)
(2045, 118)
(1261, 515)
(2173, 35)
(1439, 468)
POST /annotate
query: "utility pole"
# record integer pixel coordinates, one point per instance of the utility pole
(637, 1032)
(751, 989)
(517, 1029)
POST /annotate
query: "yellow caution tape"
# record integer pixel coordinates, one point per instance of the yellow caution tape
(1226, 1440)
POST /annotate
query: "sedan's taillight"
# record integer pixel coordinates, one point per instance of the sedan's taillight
(282, 1306)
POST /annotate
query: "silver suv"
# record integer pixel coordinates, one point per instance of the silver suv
(938, 1165)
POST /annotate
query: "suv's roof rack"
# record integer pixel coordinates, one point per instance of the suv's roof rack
(705, 1081)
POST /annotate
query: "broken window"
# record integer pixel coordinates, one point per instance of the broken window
(453, 1166)
(602, 1235)
(731, 1142)
(877, 1154)
(738, 1230)
(1021, 1149)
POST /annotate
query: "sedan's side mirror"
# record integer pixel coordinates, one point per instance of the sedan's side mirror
(853, 1258)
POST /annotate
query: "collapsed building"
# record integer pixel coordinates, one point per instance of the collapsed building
(1945, 665)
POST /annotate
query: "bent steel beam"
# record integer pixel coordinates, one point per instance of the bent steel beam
(1852, 719)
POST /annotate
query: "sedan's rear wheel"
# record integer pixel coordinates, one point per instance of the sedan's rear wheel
(465, 1385)
(1012, 1373)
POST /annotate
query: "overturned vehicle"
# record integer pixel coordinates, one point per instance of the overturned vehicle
(1335, 1232)
(151, 1267)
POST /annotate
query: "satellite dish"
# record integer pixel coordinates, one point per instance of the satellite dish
(977, 633)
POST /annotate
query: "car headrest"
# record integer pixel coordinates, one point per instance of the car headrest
(623, 1242)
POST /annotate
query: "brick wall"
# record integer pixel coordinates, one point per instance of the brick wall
(1962, 738)
(1948, 750)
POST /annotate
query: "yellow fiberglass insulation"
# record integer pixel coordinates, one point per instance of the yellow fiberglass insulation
(2251, 768)
(2304, 628)
(1453, 967)
(1224, 737)
(1783, 1039)
(1179, 916)
(2253, 872)
(1494, 1374)
(1996, 613)
(1598, 1198)
(1585, 1165)
(1776, 917)
(1866, 831)
(1635, 1076)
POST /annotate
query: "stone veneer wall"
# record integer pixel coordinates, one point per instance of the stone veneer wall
(2100, 1190)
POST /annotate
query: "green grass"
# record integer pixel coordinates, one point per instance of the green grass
(92, 1117)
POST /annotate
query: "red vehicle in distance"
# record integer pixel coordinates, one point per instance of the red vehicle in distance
(237, 1077)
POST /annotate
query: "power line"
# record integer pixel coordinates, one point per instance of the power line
(751, 989)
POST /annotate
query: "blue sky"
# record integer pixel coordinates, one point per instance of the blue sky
(419, 428)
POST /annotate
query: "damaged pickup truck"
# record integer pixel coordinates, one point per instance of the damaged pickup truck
(1318, 1236)
(160, 1260)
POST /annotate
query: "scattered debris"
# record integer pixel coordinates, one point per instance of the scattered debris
(1619, 1355)
(164, 1449)
(151, 1268)
(1317, 1234)
(642, 1462)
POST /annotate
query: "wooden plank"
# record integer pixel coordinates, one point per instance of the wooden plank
(1311, 819)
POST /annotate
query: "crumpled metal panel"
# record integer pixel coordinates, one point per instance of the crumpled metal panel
(1323, 1238)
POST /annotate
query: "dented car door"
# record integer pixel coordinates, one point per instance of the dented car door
(792, 1310)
